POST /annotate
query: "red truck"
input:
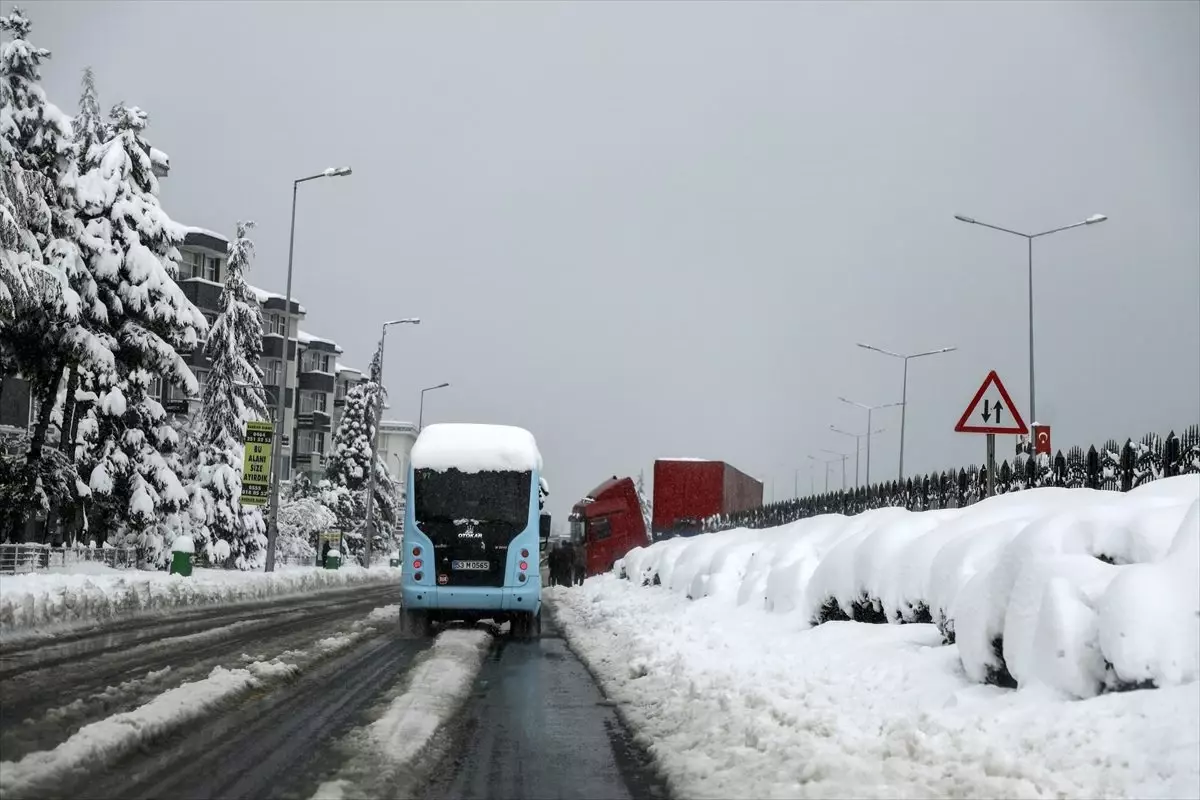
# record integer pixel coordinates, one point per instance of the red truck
(609, 523)
(688, 490)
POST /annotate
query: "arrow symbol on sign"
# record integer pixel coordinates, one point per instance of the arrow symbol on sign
(999, 408)
(987, 411)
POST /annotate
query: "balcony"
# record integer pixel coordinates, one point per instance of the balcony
(316, 381)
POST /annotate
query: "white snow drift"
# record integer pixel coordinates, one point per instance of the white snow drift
(1080, 589)
(44, 599)
(738, 695)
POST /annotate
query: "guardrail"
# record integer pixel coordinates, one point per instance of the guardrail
(32, 557)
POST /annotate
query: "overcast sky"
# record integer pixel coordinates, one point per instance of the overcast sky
(658, 229)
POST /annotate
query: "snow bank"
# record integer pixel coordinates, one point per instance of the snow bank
(44, 599)
(735, 702)
(1077, 589)
(471, 447)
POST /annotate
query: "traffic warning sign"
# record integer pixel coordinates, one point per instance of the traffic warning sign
(992, 411)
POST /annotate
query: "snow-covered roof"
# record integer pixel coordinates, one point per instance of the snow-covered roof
(471, 447)
(682, 459)
(205, 232)
(263, 296)
(307, 338)
(343, 368)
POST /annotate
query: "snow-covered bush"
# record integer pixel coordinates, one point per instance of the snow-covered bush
(1081, 590)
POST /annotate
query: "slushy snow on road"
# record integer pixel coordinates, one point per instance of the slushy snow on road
(56, 600)
(1087, 601)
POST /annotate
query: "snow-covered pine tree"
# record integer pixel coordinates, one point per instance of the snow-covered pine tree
(350, 460)
(47, 297)
(644, 502)
(129, 244)
(232, 397)
(90, 130)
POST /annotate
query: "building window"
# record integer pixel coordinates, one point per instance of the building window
(155, 390)
(309, 442)
(271, 372)
(315, 361)
(212, 269)
(202, 379)
(341, 390)
(276, 324)
(191, 264)
(312, 401)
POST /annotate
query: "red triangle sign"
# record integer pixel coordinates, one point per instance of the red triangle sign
(991, 410)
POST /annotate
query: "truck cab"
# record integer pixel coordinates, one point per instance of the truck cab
(609, 522)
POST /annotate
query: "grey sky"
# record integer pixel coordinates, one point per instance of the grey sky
(650, 230)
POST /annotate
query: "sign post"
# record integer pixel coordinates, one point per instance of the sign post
(993, 405)
(256, 464)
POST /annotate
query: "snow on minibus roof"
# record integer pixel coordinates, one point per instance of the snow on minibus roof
(471, 447)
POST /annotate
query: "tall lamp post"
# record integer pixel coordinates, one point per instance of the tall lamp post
(870, 410)
(1029, 237)
(857, 445)
(421, 413)
(816, 460)
(903, 391)
(369, 519)
(281, 385)
(843, 457)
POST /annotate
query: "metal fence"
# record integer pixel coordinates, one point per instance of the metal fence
(30, 557)
(1114, 467)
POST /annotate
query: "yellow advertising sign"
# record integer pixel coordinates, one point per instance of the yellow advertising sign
(256, 464)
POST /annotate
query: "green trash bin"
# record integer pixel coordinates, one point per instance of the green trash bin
(333, 559)
(182, 550)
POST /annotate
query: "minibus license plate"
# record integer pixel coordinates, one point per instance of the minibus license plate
(481, 566)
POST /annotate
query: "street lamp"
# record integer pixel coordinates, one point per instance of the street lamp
(421, 413)
(1029, 237)
(843, 457)
(857, 445)
(281, 385)
(903, 394)
(370, 522)
(816, 460)
(870, 410)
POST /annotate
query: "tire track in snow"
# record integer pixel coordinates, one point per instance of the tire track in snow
(79, 765)
(36, 718)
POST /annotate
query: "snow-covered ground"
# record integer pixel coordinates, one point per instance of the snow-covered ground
(90, 593)
(738, 695)
(108, 739)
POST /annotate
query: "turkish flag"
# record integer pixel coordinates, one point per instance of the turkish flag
(1041, 439)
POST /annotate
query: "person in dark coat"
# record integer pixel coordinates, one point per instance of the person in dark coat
(578, 563)
(556, 564)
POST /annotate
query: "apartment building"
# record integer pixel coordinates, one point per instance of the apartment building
(310, 361)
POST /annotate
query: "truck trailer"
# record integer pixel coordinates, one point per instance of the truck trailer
(689, 490)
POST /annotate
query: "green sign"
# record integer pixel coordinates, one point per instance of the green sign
(256, 464)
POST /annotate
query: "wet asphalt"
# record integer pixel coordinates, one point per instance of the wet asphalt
(537, 727)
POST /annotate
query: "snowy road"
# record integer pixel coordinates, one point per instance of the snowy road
(538, 727)
(304, 698)
(49, 692)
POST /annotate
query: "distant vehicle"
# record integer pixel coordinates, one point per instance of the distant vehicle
(689, 490)
(473, 529)
(609, 523)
